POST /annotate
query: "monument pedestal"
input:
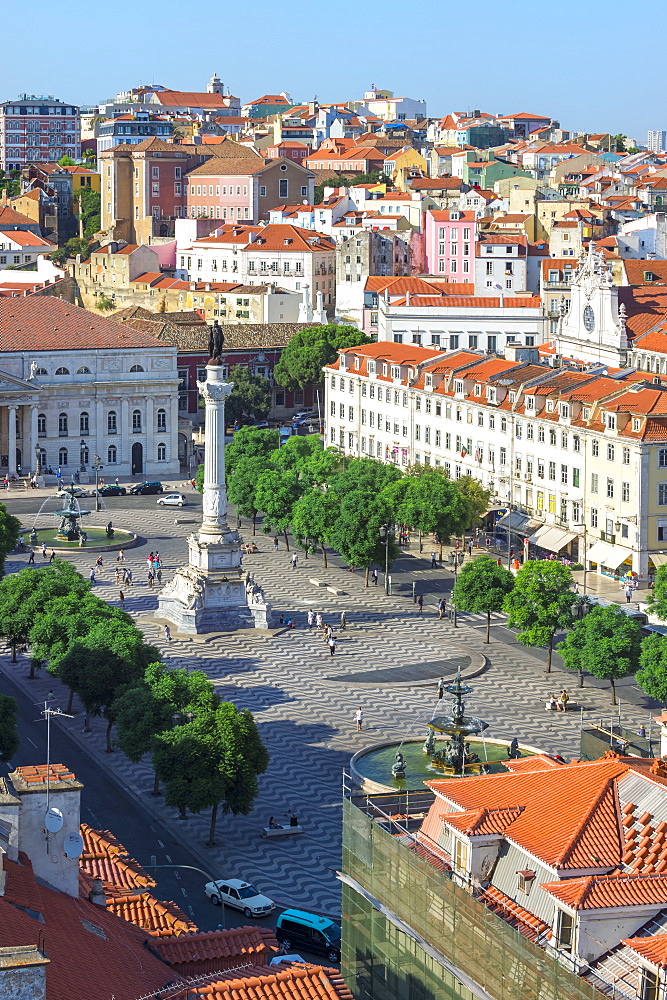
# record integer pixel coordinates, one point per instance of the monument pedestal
(213, 593)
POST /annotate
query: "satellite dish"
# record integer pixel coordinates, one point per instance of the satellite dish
(73, 845)
(53, 820)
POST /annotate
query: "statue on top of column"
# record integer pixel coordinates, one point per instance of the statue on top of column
(216, 342)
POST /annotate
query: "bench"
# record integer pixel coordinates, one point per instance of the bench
(281, 831)
(335, 590)
(316, 583)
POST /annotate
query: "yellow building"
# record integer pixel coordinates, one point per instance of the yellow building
(405, 164)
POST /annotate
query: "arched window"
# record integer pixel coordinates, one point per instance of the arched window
(83, 422)
(41, 424)
(84, 459)
(137, 368)
(83, 371)
(136, 421)
(162, 453)
(162, 420)
(62, 424)
(112, 424)
(62, 456)
(62, 371)
(41, 371)
(42, 458)
(111, 455)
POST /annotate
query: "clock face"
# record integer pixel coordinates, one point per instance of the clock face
(589, 319)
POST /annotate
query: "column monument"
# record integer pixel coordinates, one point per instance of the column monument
(213, 593)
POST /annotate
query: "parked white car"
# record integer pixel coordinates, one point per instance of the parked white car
(241, 895)
(173, 500)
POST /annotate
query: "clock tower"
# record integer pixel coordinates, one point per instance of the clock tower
(593, 330)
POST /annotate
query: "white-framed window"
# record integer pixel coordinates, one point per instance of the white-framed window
(161, 420)
(136, 421)
(461, 855)
(162, 453)
(111, 454)
(83, 422)
(112, 422)
(62, 456)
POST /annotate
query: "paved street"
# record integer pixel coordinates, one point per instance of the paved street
(304, 700)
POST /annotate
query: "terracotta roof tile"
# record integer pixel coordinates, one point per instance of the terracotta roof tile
(478, 822)
(296, 982)
(216, 949)
(151, 914)
(653, 949)
(598, 891)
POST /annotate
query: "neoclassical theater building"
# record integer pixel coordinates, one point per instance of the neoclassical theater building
(74, 385)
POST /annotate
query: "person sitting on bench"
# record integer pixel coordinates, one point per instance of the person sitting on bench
(273, 825)
(293, 821)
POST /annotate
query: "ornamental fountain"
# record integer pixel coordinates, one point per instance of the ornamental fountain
(456, 758)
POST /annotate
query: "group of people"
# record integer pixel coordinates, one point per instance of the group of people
(315, 620)
(558, 704)
(274, 825)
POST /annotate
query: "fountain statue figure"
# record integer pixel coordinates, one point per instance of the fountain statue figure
(456, 758)
(70, 516)
(398, 767)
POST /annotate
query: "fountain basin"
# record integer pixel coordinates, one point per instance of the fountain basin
(97, 539)
(370, 768)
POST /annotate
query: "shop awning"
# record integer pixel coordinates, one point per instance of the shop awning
(551, 538)
(608, 555)
(658, 558)
(514, 521)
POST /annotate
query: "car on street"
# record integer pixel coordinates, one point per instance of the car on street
(262, 425)
(173, 500)
(240, 895)
(111, 490)
(305, 415)
(77, 491)
(309, 931)
(141, 489)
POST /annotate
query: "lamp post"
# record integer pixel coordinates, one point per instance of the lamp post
(82, 447)
(582, 524)
(455, 560)
(385, 535)
(38, 460)
(97, 466)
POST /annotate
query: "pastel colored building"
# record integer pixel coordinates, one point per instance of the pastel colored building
(450, 243)
(245, 189)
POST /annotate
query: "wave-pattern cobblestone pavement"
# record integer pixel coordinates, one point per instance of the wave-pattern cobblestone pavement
(304, 705)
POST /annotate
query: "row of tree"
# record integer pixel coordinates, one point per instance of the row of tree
(601, 641)
(206, 752)
(325, 500)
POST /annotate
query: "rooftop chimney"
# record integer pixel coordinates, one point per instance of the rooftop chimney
(96, 894)
(22, 972)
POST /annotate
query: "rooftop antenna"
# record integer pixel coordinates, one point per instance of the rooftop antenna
(53, 818)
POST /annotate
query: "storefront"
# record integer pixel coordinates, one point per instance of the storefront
(609, 560)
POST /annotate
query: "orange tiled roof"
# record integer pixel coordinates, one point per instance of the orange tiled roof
(598, 891)
(151, 915)
(297, 982)
(653, 949)
(540, 762)
(237, 945)
(477, 822)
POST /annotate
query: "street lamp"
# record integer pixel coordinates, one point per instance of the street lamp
(386, 531)
(38, 460)
(582, 524)
(82, 446)
(97, 466)
(455, 560)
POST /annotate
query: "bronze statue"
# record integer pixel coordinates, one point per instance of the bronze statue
(216, 342)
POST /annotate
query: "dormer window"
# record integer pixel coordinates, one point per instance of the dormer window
(478, 390)
(512, 397)
(564, 410)
(525, 879)
(491, 394)
(371, 368)
(395, 371)
(342, 361)
(636, 423)
(530, 402)
(385, 368)
(565, 930)
(356, 364)
(458, 386)
(611, 421)
(428, 382)
(650, 985)
(550, 406)
(460, 855)
(586, 412)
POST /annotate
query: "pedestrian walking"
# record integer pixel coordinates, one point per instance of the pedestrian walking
(311, 618)
(92, 574)
(121, 598)
(563, 700)
(128, 578)
(628, 594)
(434, 561)
(117, 576)
(375, 576)
(167, 633)
(157, 562)
(359, 718)
(441, 689)
(275, 544)
(332, 645)
(488, 544)
(318, 620)
(420, 603)
(343, 620)
(32, 558)
(442, 607)
(43, 550)
(151, 579)
(149, 560)
(121, 556)
(470, 547)
(52, 556)
(294, 560)
(116, 481)
(101, 480)
(158, 576)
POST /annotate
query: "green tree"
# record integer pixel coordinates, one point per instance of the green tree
(314, 519)
(605, 643)
(250, 398)
(297, 452)
(365, 474)
(9, 737)
(104, 303)
(652, 675)
(242, 487)
(243, 757)
(24, 595)
(620, 142)
(276, 495)
(357, 533)
(66, 161)
(251, 442)
(103, 662)
(342, 180)
(481, 588)
(477, 497)
(310, 349)
(657, 601)
(88, 208)
(10, 528)
(433, 504)
(541, 603)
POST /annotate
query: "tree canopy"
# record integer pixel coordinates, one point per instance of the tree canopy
(605, 643)
(657, 600)
(481, 588)
(276, 494)
(24, 595)
(652, 675)
(9, 737)
(10, 527)
(540, 603)
(250, 442)
(250, 398)
(314, 519)
(310, 349)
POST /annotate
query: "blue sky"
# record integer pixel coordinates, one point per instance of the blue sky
(591, 66)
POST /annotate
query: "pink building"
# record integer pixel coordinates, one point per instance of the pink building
(450, 244)
(245, 189)
(291, 149)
